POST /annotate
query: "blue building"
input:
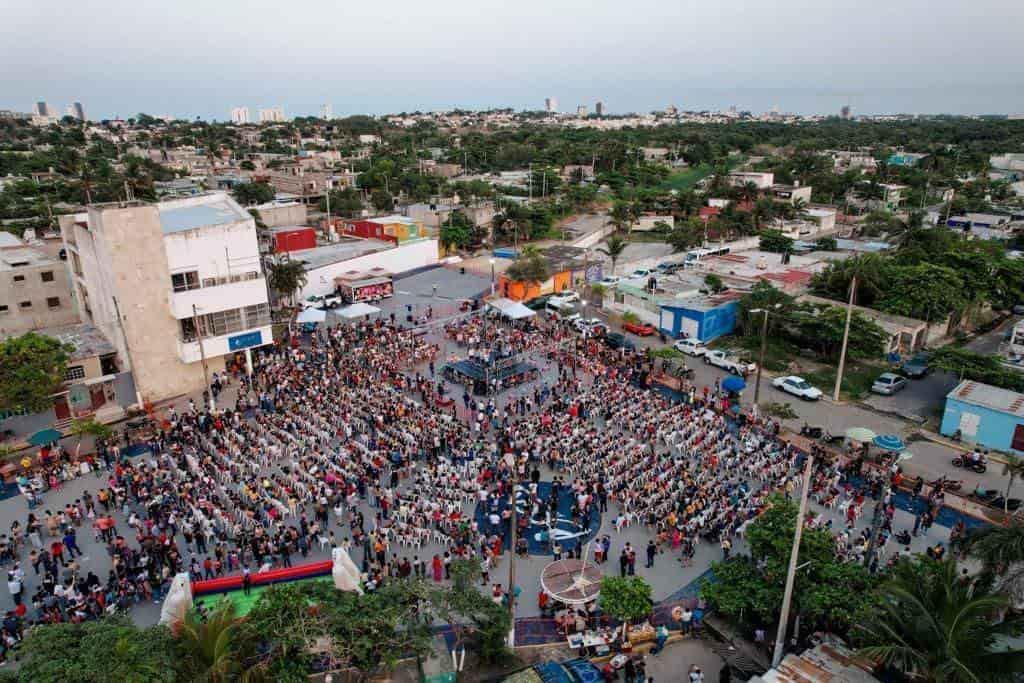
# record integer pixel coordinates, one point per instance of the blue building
(701, 317)
(985, 415)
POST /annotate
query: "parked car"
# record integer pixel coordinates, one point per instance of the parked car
(797, 386)
(639, 329)
(617, 340)
(325, 302)
(539, 303)
(888, 383)
(733, 364)
(640, 272)
(592, 326)
(916, 367)
(567, 296)
(691, 347)
(610, 280)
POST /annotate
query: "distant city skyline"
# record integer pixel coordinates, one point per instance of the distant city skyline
(190, 58)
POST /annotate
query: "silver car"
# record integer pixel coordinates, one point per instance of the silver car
(888, 384)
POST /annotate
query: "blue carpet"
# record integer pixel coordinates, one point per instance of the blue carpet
(568, 533)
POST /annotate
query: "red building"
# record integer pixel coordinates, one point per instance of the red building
(293, 238)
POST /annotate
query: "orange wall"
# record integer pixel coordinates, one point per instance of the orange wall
(522, 291)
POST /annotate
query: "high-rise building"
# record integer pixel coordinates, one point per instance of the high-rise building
(550, 105)
(326, 112)
(581, 111)
(159, 279)
(844, 112)
(272, 115)
(240, 115)
(599, 108)
(41, 109)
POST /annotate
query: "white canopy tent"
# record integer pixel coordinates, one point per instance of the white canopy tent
(311, 315)
(358, 310)
(513, 310)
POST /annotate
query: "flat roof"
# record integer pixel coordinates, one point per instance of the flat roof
(8, 240)
(988, 396)
(289, 228)
(87, 340)
(194, 216)
(389, 220)
(25, 257)
(318, 257)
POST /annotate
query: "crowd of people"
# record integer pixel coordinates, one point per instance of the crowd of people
(339, 442)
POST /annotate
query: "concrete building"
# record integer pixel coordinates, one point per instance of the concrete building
(79, 111)
(763, 181)
(985, 415)
(581, 111)
(324, 264)
(272, 115)
(158, 278)
(433, 215)
(34, 289)
(394, 229)
(42, 109)
(791, 193)
(550, 105)
(240, 115)
(599, 108)
(326, 112)
(648, 223)
(655, 153)
(824, 217)
(277, 214)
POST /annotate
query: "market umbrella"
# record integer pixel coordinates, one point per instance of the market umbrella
(734, 384)
(311, 315)
(44, 436)
(889, 442)
(860, 434)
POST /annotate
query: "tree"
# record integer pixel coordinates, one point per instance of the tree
(253, 193)
(615, 245)
(382, 200)
(621, 216)
(1013, 468)
(827, 243)
(1001, 552)
(714, 283)
(287, 277)
(932, 625)
(626, 599)
(979, 367)
(775, 241)
(108, 649)
(828, 594)
(926, 291)
(216, 646)
(457, 231)
(469, 612)
(32, 368)
(764, 296)
(344, 202)
(88, 427)
(531, 266)
(686, 236)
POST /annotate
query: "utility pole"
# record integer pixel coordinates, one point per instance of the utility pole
(202, 355)
(846, 339)
(512, 562)
(794, 556)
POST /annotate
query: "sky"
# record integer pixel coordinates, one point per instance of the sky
(193, 58)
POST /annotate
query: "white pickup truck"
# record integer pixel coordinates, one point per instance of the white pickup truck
(733, 364)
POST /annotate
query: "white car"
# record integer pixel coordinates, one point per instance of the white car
(641, 272)
(590, 325)
(797, 386)
(610, 280)
(732, 364)
(691, 347)
(567, 296)
(324, 302)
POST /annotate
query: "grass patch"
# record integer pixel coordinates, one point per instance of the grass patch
(777, 353)
(647, 236)
(665, 352)
(686, 179)
(857, 379)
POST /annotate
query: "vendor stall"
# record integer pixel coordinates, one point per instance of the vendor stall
(356, 287)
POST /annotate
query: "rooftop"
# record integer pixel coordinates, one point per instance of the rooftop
(23, 257)
(390, 220)
(87, 340)
(8, 240)
(215, 209)
(344, 250)
(988, 396)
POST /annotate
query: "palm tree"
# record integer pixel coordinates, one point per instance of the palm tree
(1012, 468)
(1001, 552)
(614, 246)
(932, 626)
(621, 216)
(215, 646)
(287, 277)
(88, 427)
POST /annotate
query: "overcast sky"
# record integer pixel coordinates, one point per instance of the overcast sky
(202, 57)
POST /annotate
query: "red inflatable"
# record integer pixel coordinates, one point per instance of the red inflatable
(232, 583)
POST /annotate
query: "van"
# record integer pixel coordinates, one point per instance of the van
(695, 256)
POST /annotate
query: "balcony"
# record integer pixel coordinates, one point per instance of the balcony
(218, 298)
(213, 347)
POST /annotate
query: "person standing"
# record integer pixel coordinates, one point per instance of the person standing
(246, 581)
(652, 550)
(623, 563)
(14, 585)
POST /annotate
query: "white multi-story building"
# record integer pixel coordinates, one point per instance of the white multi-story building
(159, 279)
(326, 112)
(272, 115)
(240, 115)
(550, 105)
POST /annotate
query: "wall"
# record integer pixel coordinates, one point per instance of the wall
(16, 320)
(522, 291)
(320, 281)
(274, 216)
(994, 429)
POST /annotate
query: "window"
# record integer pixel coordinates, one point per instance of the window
(47, 275)
(25, 304)
(4, 309)
(74, 372)
(183, 282)
(53, 301)
(19, 278)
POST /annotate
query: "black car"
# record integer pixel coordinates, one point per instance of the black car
(539, 303)
(617, 340)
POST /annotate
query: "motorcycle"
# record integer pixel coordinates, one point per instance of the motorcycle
(811, 432)
(946, 484)
(979, 466)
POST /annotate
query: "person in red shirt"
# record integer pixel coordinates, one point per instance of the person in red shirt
(57, 551)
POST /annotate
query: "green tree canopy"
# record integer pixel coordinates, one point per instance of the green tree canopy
(775, 241)
(253, 193)
(32, 368)
(287, 277)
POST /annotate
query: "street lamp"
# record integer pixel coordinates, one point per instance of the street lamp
(764, 344)
(492, 262)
